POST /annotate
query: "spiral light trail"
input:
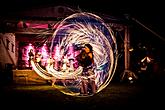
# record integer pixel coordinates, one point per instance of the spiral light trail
(68, 42)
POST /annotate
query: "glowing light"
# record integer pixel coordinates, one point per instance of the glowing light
(131, 49)
(130, 78)
(71, 66)
(148, 59)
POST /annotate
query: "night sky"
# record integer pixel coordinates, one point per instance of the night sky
(149, 13)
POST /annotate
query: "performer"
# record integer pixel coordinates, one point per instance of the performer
(38, 57)
(31, 56)
(50, 62)
(86, 60)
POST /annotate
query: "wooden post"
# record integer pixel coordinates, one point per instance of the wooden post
(127, 71)
(126, 49)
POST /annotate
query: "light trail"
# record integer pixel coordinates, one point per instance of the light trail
(69, 38)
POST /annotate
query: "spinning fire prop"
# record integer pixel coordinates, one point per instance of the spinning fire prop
(83, 56)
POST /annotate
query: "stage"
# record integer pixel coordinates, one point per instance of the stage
(27, 77)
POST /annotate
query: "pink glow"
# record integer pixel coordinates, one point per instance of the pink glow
(57, 51)
(30, 47)
(38, 25)
(44, 51)
(70, 53)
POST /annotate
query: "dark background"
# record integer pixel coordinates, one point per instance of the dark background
(148, 12)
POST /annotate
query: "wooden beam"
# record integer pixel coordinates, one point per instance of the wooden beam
(34, 31)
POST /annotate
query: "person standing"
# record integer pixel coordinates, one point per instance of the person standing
(86, 60)
(31, 56)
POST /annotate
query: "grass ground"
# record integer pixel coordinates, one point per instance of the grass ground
(114, 96)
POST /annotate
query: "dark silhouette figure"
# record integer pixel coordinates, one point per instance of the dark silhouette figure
(31, 56)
